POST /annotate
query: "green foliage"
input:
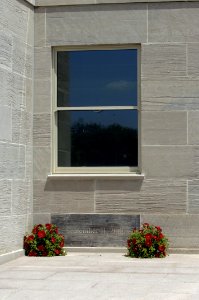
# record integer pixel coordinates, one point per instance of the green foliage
(148, 242)
(44, 240)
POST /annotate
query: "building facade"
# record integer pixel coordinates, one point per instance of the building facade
(160, 185)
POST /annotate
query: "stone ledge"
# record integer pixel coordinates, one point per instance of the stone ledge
(86, 2)
(4, 258)
(123, 250)
(82, 176)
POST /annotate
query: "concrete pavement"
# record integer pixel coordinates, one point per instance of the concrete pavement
(100, 276)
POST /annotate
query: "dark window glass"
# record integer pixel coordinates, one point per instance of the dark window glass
(97, 78)
(97, 138)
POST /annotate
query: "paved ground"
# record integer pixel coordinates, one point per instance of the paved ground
(100, 276)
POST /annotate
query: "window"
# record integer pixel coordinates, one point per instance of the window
(96, 110)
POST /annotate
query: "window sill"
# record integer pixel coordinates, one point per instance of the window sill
(80, 176)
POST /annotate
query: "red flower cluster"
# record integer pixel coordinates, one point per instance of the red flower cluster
(44, 241)
(149, 241)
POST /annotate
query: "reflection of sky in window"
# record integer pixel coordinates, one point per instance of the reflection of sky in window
(99, 77)
(124, 118)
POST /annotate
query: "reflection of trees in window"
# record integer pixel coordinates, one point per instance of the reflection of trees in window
(99, 145)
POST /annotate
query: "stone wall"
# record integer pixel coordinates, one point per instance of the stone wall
(169, 37)
(16, 102)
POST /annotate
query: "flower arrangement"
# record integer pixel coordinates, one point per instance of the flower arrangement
(44, 240)
(147, 242)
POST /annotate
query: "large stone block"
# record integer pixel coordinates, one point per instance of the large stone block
(16, 17)
(39, 27)
(152, 196)
(29, 163)
(193, 197)
(6, 231)
(6, 47)
(170, 161)
(182, 230)
(63, 196)
(43, 64)
(30, 29)
(173, 22)
(193, 127)
(19, 56)
(20, 197)
(164, 128)
(163, 60)
(42, 162)
(5, 123)
(170, 94)
(29, 59)
(103, 24)
(5, 198)
(42, 96)
(95, 230)
(42, 130)
(13, 229)
(19, 227)
(42, 218)
(29, 95)
(4, 83)
(21, 127)
(12, 163)
(16, 90)
(192, 59)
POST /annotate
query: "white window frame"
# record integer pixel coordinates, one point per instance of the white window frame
(55, 109)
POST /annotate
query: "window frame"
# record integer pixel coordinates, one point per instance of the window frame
(89, 170)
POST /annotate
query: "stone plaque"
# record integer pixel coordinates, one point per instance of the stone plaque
(95, 230)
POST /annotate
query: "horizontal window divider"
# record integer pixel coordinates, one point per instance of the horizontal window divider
(97, 108)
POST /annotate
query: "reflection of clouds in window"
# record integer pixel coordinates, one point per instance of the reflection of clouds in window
(121, 85)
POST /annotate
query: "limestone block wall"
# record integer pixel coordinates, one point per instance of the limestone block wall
(168, 33)
(16, 102)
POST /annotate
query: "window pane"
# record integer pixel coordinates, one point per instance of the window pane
(97, 138)
(97, 77)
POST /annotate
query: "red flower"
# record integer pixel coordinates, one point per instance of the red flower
(61, 244)
(161, 248)
(44, 253)
(146, 225)
(158, 228)
(48, 226)
(30, 238)
(148, 243)
(148, 236)
(129, 243)
(160, 236)
(36, 228)
(134, 241)
(41, 248)
(41, 234)
(34, 231)
(32, 253)
(53, 240)
(57, 251)
(54, 230)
